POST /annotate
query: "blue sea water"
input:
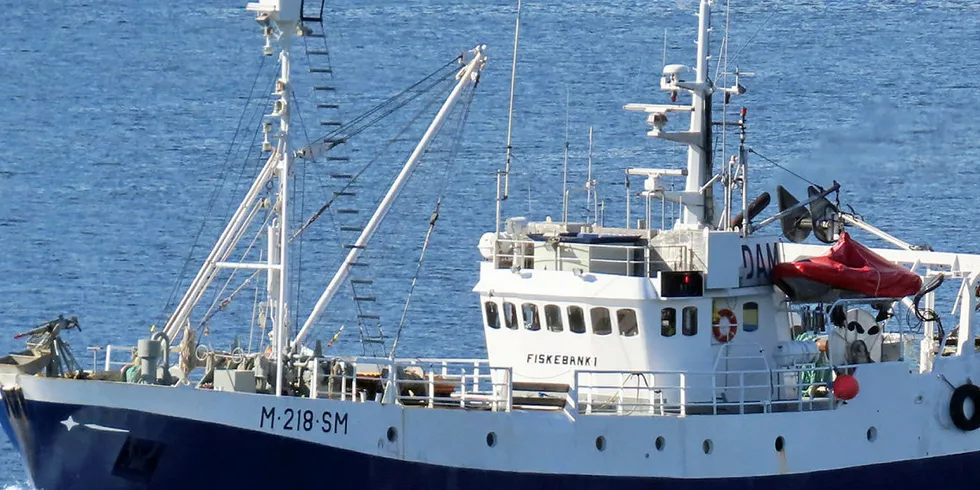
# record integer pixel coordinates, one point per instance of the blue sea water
(118, 115)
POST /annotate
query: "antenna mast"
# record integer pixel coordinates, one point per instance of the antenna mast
(564, 178)
(510, 118)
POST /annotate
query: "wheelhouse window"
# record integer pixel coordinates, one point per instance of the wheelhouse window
(493, 318)
(576, 319)
(626, 319)
(531, 320)
(510, 315)
(668, 322)
(689, 327)
(552, 317)
(750, 316)
(601, 323)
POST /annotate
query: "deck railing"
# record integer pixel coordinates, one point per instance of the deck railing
(476, 385)
(714, 393)
(629, 260)
(431, 383)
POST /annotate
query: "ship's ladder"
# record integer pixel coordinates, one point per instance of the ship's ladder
(347, 216)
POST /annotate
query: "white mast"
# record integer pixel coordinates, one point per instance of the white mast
(467, 75)
(698, 153)
(697, 203)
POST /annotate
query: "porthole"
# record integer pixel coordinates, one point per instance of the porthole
(780, 444)
(872, 434)
(491, 439)
(392, 434)
(707, 446)
(600, 443)
(660, 443)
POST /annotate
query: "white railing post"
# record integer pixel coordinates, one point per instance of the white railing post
(588, 396)
(741, 392)
(108, 357)
(354, 395)
(343, 383)
(462, 387)
(432, 391)
(683, 379)
(476, 376)
(510, 389)
(315, 382)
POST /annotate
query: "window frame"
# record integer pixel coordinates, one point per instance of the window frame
(672, 326)
(619, 323)
(510, 317)
(745, 321)
(487, 306)
(580, 314)
(555, 312)
(608, 320)
(689, 313)
(535, 317)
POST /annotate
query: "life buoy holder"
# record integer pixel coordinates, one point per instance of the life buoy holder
(957, 411)
(726, 333)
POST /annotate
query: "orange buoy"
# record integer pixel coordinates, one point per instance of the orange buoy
(845, 387)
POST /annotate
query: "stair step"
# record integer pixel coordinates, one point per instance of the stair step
(361, 281)
(321, 70)
(328, 106)
(344, 193)
(334, 141)
(338, 159)
(317, 52)
(347, 211)
(352, 228)
(324, 88)
(373, 340)
(351, 245)
(311, 19)
(369, 316)
(330, 123)
(341, 176)
(365, 298)
(358, 264)
(320, 36)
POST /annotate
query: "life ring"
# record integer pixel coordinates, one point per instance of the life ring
(956, 407)
(730, 330)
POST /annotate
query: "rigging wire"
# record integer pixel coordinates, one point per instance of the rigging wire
(354, 125)
(214, 194)
(749, 41)
(453, 152)
(783, 168)
(435, 97)
(358, 130)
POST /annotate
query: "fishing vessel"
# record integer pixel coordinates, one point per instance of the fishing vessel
(710, 350)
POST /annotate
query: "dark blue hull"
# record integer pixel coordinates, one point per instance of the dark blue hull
(162, 452)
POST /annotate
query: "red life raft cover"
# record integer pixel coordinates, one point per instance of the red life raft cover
(847, 266)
